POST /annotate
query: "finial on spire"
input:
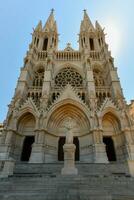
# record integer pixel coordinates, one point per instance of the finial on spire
(52, 11)
(86, 23)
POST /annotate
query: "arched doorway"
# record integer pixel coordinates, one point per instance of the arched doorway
(110, 150)
(111, 129)
(26, 126)
(27, 148)
(60, 148)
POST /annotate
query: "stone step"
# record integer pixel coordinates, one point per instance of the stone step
(56, 197)
(83, 168)
(45, 182)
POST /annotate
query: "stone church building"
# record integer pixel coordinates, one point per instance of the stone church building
(59, 87)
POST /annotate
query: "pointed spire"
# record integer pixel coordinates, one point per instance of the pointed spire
(50, 22)
(55, 27)
(98, 26)
(86, 24)
(39, 26)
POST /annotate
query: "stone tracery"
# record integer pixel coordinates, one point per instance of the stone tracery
(68, 76)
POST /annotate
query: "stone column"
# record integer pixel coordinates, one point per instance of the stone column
(69, 160)
(99, 150)
(6, 149)
(37, 154)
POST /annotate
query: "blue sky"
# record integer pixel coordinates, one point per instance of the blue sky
(17, 18)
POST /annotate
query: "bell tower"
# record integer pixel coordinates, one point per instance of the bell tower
(87, 36)
(46, 38)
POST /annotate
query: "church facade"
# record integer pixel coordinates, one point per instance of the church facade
(60, 85)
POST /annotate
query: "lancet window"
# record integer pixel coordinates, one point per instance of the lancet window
(38, 78)
(98, 78)
(35, 91)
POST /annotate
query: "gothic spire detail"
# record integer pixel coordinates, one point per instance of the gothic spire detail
(98, 26)
(39, 26)
(86, 24)
(51, 23)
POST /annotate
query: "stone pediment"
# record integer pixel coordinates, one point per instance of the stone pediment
(68, 47)
(29, 104)
(69, 93)
(107, 103)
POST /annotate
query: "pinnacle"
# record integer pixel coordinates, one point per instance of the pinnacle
(86, 23)
(50, 24)
(98, 26)
(39, 26)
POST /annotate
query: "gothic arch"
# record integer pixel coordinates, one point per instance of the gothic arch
(39, 66)
(98, 77)
(68, 108)
(26, 122)
(26, 110)
(111, 124)
(26, 128)
(74, 67)
(111, 111)
(112, 138)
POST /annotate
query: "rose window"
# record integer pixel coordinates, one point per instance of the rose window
(68, 76)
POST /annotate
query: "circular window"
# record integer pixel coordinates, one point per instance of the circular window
(68, 76)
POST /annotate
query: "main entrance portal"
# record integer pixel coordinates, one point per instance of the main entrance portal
(60, 148)
(109, 148)
(27, 148)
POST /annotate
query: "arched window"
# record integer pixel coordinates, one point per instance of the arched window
(37, 42)
(35, 92)
(45, 44)
(38, 78)
(98, 78)
(34, 40)
(68, 76)
(84, 40)
(91, 42)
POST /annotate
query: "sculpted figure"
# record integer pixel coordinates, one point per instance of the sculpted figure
(69, 125)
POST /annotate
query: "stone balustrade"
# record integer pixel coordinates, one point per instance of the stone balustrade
(102, 89)
(42, 55)
(68, 55)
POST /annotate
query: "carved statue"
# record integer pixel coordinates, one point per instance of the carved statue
(93, 104)
(120, 101)
(69, 125)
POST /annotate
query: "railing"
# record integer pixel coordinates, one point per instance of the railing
(95, 55)
(104, 89)
(42, 55)
(68, 55)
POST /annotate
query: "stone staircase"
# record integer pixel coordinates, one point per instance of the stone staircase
(45, 182)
